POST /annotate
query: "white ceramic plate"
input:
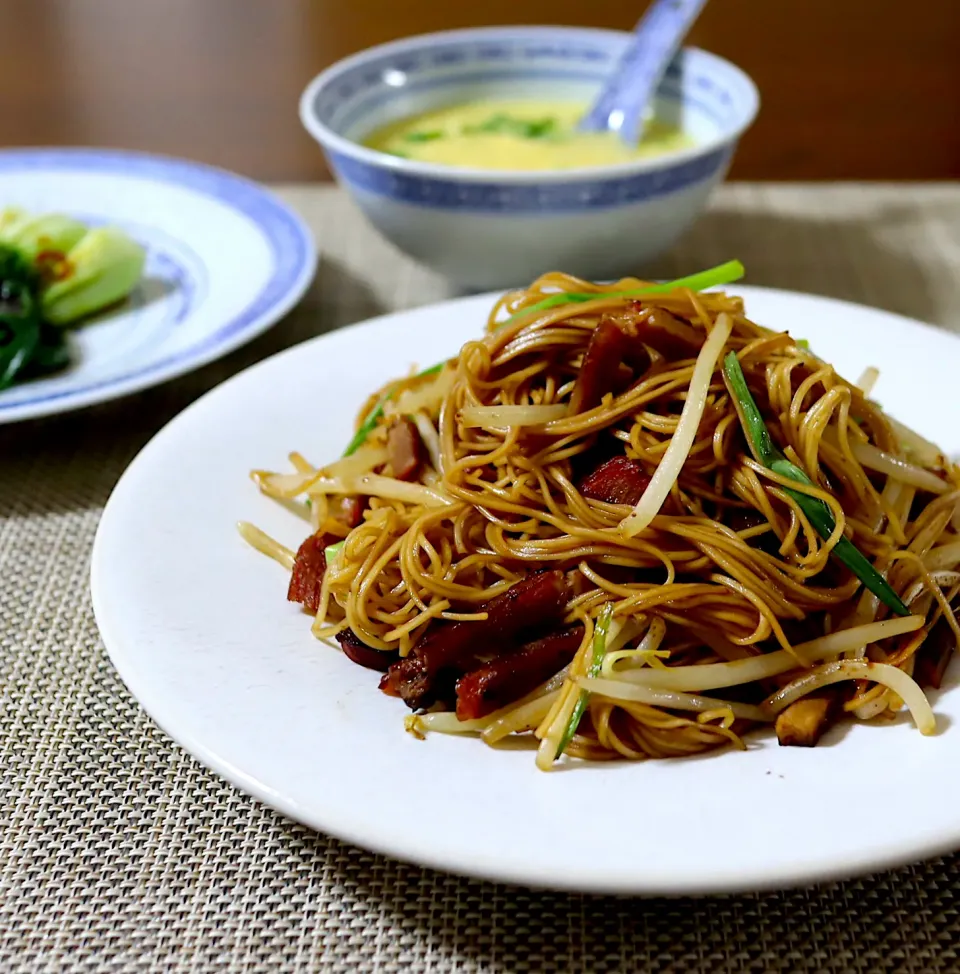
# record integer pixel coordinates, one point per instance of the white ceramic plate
(198, 626)
(225, 260)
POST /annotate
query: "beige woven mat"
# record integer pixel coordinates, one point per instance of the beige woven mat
(118, 852)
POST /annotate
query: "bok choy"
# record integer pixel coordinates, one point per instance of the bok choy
(55, 271)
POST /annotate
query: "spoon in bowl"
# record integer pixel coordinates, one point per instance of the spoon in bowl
(622, 103)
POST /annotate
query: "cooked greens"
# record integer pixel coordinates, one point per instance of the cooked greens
(101, 269)
(55, 271)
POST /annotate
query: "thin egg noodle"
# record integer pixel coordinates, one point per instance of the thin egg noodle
(707, 608)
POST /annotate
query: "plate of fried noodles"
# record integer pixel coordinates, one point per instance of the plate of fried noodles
(637, 587)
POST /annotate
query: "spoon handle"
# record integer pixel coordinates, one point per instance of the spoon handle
(657, 37)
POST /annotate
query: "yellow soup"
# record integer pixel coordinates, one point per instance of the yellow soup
(517, 135)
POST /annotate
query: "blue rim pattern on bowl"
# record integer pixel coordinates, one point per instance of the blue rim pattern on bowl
(549, 197)
(335, 102)
(292, 250)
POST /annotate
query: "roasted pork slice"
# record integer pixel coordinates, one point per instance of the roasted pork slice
(532, 606)
(355, 649)
(512, 676)
(308, 568)
(405, 449)
(600, 368)
(618, 481)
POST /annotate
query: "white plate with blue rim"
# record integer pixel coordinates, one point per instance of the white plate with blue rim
(225, 260)
(198, 626)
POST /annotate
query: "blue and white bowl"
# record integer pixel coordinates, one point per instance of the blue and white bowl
(494, 229)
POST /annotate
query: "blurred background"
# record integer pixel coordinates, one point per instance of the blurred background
(851, 89)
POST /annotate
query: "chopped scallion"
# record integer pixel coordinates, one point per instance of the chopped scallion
(726, 273)
(818, 513)
(597, 651)
(370, 423)
(423, 136)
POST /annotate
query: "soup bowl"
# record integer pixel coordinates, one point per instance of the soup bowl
(487, 228)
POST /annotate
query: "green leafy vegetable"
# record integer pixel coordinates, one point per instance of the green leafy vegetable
(29, 347)
(53, 271)
(817, 512)
(8, 216)
(42, 238)
(102, 268)
(19, 312)
(12, 220)
(19, 328)
(15, 268)
(51, 354)
(597, 652)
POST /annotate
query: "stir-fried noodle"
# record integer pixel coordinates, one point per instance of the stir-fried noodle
(693, 543)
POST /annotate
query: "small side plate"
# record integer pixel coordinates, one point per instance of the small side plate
(225, 260)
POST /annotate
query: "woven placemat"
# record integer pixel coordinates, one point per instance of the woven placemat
(119, 852)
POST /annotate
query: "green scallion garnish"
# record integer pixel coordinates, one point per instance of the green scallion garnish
(816, 511)
(423, 136)
(597, 651)
(331, 551)
(726, 273)
(370, 423)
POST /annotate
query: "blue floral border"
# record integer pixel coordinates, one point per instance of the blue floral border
(544, 198)
(291, 246)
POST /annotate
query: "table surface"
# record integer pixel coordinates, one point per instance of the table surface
(119, 852)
